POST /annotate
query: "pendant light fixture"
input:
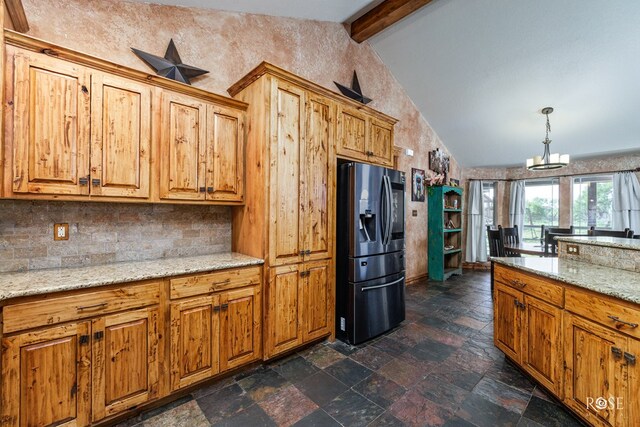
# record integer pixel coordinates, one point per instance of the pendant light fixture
(547, 160)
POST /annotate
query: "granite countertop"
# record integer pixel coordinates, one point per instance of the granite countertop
(38, 282)
(612, 242)
(615, 282)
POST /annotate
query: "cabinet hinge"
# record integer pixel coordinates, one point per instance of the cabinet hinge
(84, 339)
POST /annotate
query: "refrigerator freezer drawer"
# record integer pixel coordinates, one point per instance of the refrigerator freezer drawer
(375, 307)
(375, 266)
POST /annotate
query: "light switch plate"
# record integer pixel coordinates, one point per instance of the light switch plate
(61, 231)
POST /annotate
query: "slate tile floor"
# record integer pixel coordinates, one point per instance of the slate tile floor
(439, 368)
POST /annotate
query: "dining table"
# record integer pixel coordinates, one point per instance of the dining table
(527, 248)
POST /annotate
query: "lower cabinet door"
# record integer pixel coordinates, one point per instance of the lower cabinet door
(283, 294)
(542, 346)
(195, 344)
(316, 300)
(506, 320)
(125, 361)
(240, 327)
(46, 377)
(596, 372)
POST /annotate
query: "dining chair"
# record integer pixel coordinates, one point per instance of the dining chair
(550, 243)
(510, 236)
(626, 233)
(496, 245)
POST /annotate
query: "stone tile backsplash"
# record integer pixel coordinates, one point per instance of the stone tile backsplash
(101, 233)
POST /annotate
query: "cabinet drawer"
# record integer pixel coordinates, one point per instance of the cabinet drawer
(52, 310)
(214, 282)
(537, 286)
(601, 309)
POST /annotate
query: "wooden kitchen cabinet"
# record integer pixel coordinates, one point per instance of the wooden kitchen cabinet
(299, 305)
(381, 142)
(81, 128)
(125, 361)
(120, 137)
(363, 137)
(213, 333)
(78, 131)
(529, 331)
(240, 327)
(183, 148)
(352, 134)
(195, 347)
(580, 345)
(201, 150)
(596, 368)
(46, 377)
(317, 300)
(290, 222)
(51, 127)
(507, 323)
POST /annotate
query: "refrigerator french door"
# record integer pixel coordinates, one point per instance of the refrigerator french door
(370, 265)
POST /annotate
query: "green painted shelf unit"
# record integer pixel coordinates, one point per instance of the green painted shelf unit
(444, 204)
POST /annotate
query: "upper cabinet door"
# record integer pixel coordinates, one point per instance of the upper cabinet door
(286, 201)
(318, 169)
(381, 142)
(120, 137)
(352, 133)
(225, 154)
(182, 148)
(51, 125)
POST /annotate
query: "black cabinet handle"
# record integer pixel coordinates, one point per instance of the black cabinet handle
(84, 180)
(307, 252)
(209, 189)
(631, 358)
(216, 308)
(617, 353)
(95, 182)
(224, 306)
(202, 189)
(617, 319)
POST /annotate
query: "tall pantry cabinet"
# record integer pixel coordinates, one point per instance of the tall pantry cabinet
(290, 166)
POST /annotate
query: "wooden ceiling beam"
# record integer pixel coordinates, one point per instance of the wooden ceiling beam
(16, 15)
(383, 16)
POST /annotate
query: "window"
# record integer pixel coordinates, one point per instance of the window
(488, 198)
(541, 207)
(592, 202)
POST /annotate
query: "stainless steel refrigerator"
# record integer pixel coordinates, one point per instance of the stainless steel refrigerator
(370, 264)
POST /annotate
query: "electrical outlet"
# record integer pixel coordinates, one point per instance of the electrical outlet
(61, 231)
(414, 212)
(573, 249)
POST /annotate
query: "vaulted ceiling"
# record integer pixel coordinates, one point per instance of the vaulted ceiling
(480, 71)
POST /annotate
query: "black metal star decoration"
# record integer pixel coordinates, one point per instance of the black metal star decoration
(171, 65)
(354, 92)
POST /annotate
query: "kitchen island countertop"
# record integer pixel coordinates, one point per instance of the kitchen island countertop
(614, 282)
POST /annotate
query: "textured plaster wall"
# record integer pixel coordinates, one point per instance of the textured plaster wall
(231, 44)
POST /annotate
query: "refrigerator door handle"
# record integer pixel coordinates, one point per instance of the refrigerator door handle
(368, 288)
(388, 192)
(384, 208)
